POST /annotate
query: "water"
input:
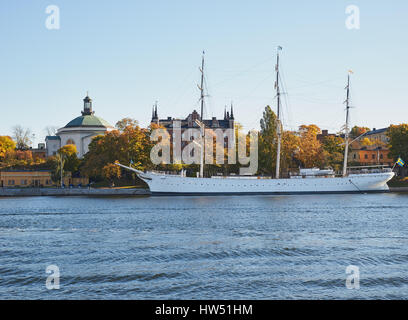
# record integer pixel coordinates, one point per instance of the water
(246, 247)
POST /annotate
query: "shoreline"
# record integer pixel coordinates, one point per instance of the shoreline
(103, 192)
(44, 192)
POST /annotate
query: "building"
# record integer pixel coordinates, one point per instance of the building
(377, 135)
(324, 135)
(189, 122)
(39, 178)
(40, 152)
(79, 131)
(23, 178)
(376, 153)
(370, 155)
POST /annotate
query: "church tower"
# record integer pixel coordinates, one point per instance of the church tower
(87, 106)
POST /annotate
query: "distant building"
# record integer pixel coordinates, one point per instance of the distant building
(374, 154)
(40, 152)
(324, 135)
(25, 178)
(377, 134)
(79, 131)
(36, 179)
(189, 123)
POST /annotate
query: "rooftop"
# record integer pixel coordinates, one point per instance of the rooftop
(88, 121)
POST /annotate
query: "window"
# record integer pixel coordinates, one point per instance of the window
(381, 156)
(23, 182)
(373, 156)
(11, 182)
(366, 156)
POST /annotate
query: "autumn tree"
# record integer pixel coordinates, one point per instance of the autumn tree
(126, 122)
(290, 146)
(111, 172)
(130, 145)
(71, 161)
(6, 145)
(357, 131)
(310, 152)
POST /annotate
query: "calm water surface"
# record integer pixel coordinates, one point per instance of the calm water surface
(246, 247)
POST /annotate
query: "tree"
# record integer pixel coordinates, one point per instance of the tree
(23, 137)
(357, 131)
(398, 144)
(51, 130)
(366, 142)
(111, 172)
(290, 146)
(130, 145)
(71, 161)
(267, 142)
(126, 122)
(333, 151)
(310, 149)
(6, 145)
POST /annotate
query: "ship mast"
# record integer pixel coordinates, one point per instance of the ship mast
(346, 135)
(278, 122)
(201, 122)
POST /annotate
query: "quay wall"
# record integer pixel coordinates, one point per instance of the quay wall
(29, 192)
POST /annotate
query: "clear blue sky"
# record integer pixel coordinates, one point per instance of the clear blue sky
(130, 53)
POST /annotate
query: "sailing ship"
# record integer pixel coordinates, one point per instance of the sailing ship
(308, 181)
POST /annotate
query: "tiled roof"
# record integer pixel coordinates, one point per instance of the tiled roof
(376, 131)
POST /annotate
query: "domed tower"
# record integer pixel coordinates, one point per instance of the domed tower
(87, 106)
(81, 130)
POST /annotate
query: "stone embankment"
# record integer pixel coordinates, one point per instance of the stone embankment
(29, 192)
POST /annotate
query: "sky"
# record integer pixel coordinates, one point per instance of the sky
(129, 54)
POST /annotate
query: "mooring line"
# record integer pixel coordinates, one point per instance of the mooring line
(356, 186)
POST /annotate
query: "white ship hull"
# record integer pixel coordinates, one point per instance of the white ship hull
(163, 184)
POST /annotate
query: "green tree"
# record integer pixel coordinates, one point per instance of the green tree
(333, 151)
(398, 145)
(267, 142)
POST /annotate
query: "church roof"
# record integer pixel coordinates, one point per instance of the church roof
(88, 121)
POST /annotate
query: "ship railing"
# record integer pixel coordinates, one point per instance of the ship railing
(369, 169)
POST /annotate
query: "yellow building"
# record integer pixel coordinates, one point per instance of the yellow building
(21, 178)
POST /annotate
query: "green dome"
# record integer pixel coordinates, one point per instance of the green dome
(88, 121)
